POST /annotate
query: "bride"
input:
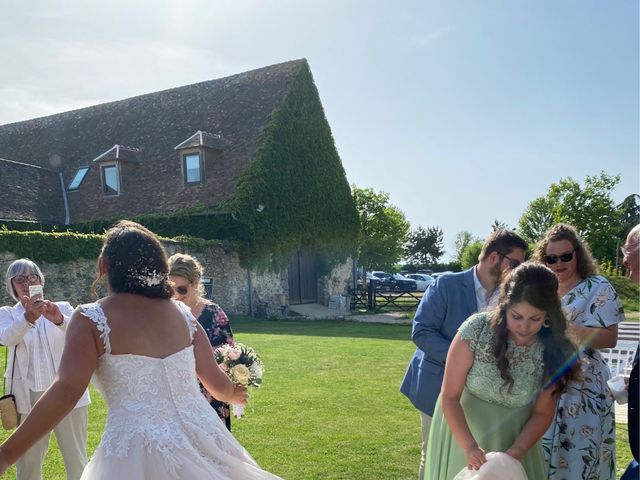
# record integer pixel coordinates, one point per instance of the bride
(144, 351)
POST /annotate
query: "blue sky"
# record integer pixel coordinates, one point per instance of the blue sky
(463, 111)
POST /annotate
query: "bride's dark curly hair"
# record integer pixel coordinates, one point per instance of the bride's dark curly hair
(538, 286)
(136, 261)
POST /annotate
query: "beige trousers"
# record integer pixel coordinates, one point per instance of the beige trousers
(426, 426)
(71, 434)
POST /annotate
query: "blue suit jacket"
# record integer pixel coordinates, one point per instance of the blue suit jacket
(446, 304)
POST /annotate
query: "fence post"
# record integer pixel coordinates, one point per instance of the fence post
(371, 296)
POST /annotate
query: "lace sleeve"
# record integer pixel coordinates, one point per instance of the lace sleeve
(94, 312)
(471, 329)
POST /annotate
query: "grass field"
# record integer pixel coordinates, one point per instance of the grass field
(330, 406)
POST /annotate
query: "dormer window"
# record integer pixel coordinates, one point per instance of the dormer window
(111, 166)
(110, 179)
(77, 178)
(196, 152)
(192, 168)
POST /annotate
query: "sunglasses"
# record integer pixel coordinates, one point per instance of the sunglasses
(513, 263)
(182, 290)
(32, 278)
(564, 258)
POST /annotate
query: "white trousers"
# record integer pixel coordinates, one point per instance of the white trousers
(71, 434)
(426, 426)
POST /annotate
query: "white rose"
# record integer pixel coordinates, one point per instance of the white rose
(240, 374)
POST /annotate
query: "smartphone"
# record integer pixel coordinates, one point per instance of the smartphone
(36, 291)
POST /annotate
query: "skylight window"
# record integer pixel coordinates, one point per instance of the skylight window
(77, 178)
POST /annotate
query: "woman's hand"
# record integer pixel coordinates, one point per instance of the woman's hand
(240, 395)
(33, 308)
(52, 313)
(475, 457)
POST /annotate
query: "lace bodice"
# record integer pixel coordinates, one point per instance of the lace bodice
(483, 379)
(155, 400)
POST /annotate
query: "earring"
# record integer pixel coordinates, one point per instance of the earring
(546, 323)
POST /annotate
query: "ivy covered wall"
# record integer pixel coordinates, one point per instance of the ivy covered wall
(295, 195)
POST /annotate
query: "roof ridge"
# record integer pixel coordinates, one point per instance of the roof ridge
(301, 61)
(28, 165)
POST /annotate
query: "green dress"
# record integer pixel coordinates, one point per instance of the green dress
(495, 417)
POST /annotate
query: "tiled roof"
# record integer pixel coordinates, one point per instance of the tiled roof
(233, 112)
(30, 193)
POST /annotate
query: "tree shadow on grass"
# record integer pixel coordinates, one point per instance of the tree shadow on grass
(320, 328)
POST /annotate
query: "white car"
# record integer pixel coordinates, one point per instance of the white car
(421, 279)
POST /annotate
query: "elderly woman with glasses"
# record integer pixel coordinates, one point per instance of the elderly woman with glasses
(34, 332)
(185, 273)
(581, 441)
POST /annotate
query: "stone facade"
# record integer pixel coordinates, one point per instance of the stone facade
(235, 289)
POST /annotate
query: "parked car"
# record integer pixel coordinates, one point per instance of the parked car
(437, 274)
(422, 280)
(395, 282)
(370, 278)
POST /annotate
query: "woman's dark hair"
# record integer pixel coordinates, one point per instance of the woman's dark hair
(586, 266)
(135, 261)
(537, 285)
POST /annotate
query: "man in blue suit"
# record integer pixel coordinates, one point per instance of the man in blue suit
(446, 304)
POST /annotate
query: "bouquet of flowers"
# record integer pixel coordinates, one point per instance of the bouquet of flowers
(243, 366)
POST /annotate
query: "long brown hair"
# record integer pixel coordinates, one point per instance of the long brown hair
(538, 286)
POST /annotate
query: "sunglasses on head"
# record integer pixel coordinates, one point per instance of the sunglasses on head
(182, 290)
(564, 258)
(31, 278)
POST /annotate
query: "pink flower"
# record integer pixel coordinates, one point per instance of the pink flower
(234, 354)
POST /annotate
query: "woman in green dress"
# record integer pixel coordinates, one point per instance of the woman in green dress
(504, 373)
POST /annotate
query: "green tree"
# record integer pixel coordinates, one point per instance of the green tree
(470, 254)
(588, 207)
(463, 239)
(424, 246)
(383, 229)
(498, 225)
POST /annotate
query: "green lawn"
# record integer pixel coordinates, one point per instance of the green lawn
(330, 406)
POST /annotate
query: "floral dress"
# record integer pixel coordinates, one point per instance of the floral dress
(216, 325)
(581, 443)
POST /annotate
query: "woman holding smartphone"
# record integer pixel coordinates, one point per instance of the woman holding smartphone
(34, 331)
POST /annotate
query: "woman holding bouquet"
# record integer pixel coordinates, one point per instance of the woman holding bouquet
(504, 373)
(185, 273)
(145, 350)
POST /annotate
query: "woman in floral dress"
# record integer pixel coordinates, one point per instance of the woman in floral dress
(185, 272)
(581, 441)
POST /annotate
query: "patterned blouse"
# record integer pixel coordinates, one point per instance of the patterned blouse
(484, 380)
(218, 330)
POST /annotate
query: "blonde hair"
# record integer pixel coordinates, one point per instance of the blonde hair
(187, 267)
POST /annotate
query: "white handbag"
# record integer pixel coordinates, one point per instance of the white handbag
(499, 466)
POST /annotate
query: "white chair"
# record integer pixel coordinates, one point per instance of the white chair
(620, 358)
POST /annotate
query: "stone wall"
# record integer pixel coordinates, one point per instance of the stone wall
(72, 281)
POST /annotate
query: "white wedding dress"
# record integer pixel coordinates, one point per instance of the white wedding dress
(159, 425)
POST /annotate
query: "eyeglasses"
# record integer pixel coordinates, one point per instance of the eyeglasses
(564, 258)
(32, 278)
(182, 290)
(513, 263)
(628, 249)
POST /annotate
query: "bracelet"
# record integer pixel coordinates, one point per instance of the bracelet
(58, 324)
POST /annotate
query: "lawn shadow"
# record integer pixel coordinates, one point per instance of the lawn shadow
(320, 328)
